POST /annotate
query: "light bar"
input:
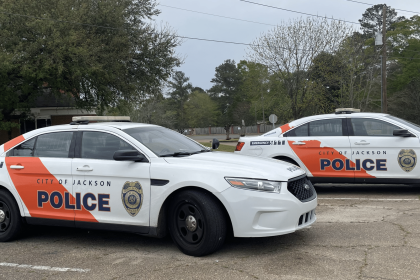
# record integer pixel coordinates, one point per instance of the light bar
(346, 110)
(101, 118)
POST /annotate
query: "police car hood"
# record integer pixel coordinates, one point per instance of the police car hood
(234, 165)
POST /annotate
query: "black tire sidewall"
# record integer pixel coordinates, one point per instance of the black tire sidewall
(214, 223)
(16, 220)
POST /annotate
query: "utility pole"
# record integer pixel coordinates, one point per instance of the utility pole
(384, 101)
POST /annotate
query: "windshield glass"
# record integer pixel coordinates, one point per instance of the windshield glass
(163, 141)
(407, 123)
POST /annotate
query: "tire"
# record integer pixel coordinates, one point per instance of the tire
(197, 224)
(10, 219)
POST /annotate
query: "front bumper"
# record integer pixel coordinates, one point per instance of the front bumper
(259, 214)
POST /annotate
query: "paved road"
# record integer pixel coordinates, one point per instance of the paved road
(361, 233)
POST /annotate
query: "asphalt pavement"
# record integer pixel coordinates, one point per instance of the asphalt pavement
(362, 232)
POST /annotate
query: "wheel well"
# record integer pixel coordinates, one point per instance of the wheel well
(3, 188)
(11, 194)
(162, 229)
(286, 159)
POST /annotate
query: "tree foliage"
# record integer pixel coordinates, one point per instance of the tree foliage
(225, 90)
(200, 110)
(289, 51)
(97, 52)
(179, 94)
(372, 20)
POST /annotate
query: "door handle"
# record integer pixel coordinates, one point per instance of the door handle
(362, 143)
(16, 167)
(84, 168)
(299, 143)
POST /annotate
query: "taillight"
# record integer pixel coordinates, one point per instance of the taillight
(239, 146)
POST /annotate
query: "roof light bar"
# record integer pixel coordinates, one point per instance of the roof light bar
(101, 119)
(346, 111)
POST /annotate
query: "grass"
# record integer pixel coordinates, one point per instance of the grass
(222, 148)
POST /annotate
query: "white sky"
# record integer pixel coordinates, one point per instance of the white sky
(201, 58)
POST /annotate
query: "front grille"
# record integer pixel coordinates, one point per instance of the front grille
(302, 188)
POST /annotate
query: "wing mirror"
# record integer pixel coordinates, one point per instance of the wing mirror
(129, 155)
(215, 144)
(403, 133)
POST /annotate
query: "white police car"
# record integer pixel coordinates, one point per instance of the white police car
(148, 180)
(347, 146)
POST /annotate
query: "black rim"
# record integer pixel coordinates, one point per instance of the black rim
(183, 212)
(4, 225)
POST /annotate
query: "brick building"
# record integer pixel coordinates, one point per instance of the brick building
(48, 110)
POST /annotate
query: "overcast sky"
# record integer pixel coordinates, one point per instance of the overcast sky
(201, 58)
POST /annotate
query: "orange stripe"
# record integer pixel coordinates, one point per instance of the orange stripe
(13, 142)
(309, 154)
(25, 181)
(285, 127)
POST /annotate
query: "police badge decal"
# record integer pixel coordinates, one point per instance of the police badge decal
(132, 197)
(407, 159)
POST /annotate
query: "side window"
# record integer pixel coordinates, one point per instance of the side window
(26, 149)
(298, 131)
(100, 145)
(331, 127)
(372, 127)
(56, 145)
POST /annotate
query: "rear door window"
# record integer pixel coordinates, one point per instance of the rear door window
(329, 127)
(55, 145)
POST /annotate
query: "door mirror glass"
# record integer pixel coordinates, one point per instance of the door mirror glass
(402, 133)
(129, 155)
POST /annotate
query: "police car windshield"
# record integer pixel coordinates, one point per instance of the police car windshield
(164, 142)
(407, 123)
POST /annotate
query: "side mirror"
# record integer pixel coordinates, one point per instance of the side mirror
(402, 133)
(215, 144)
(129, 155)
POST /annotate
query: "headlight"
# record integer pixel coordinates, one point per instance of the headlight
(256, 185)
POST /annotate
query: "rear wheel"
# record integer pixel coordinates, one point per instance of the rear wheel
(10, 219)
(197, 223)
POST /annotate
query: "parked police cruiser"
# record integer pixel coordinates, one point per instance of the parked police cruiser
(348, 146)
(148, 180)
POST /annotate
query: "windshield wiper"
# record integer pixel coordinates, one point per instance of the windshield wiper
(201, 151)
(177, 154)
(184, 153)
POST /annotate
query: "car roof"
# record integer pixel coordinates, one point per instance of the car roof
(327, 116)
(118, 125)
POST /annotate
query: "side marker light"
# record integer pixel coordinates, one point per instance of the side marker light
(239, 146)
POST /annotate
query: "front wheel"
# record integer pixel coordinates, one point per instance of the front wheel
(10, 219)
(197, 223)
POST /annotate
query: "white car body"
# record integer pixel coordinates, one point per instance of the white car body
(366, 152)
(88, 193)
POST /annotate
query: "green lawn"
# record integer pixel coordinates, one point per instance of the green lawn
(222, 148)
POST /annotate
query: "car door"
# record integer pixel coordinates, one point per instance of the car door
(40, 170)
(378, 153)
(113, 192)
(322, 147)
